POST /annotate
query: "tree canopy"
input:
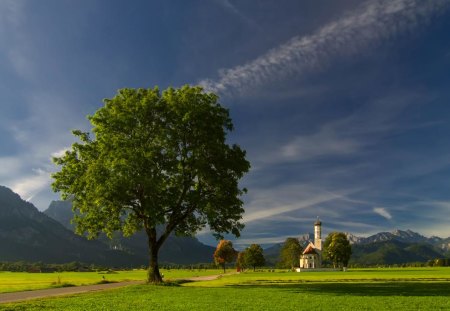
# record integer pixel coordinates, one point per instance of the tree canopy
(337, 248)
(254, 257)
(225, 253)
(290, 253)
(155, 160)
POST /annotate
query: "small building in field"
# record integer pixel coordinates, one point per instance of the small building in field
(311, 258)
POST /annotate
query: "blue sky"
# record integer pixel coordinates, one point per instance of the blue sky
(342, 106)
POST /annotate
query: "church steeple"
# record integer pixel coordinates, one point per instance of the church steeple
(318, 234)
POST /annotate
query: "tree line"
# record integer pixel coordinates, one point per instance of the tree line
(36, 267)
(251, 257)
(337, 250)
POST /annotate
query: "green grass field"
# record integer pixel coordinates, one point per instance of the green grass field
(352, 275)
(362, 289)
(20, 281)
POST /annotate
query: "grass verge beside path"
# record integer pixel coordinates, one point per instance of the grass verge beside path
(22, 281)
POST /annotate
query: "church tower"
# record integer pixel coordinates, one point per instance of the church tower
(318, 234)
(311, 258)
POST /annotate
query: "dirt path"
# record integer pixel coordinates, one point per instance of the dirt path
(52, 292)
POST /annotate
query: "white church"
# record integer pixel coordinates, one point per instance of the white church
(311, 258)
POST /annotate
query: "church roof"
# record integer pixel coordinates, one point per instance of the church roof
(310, 249)
(318, 222)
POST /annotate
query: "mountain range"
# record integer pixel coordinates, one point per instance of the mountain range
(26, 234)
(407, 236)
(30, 235)
(180, 250)
(383, 248)
(397, 247)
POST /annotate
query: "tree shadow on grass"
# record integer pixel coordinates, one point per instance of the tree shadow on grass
(365, 289)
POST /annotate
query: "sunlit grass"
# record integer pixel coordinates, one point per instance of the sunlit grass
(20, 281)
(305, 296)
(359, 289)
(352, 275)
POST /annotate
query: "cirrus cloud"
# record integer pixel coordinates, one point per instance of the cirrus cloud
(366, 26)
(382, 212)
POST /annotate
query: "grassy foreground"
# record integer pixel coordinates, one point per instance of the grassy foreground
(352, 275)
(384, 289)
(20, 281)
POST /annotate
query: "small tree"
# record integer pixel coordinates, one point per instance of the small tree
(254, 256)
(158, 162)
(240, 261)
(224, 253)
(290, 253)
(337, 249)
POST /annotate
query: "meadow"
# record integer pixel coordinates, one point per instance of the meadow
(352, 275)
(361, 289)
(21, 281)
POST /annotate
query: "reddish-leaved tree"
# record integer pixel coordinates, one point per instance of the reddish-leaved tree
(225, 253)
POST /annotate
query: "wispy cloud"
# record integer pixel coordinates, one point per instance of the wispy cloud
(325, 142)
(39, 134)
(382, 212)
(29, 186)
(226, 4)
(345, 136)
(262, 241)
(272, 231)
(366, 26)
(267, 203)
(60, 152)
(425, 215)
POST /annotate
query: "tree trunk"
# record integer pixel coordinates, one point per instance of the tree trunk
(223, 268)
(254, 268)
(153, 275)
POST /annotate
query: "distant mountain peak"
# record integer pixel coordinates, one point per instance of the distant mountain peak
(12, 204)
(407, 232)
(405, 236)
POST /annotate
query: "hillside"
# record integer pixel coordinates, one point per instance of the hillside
(29, 235)
(272, 254)
(179, 250)
(61, 211)
(392, 252)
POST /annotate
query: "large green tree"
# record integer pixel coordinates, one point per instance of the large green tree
(254, 257)
(155, 160)
(290, 253)
(337, 248)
